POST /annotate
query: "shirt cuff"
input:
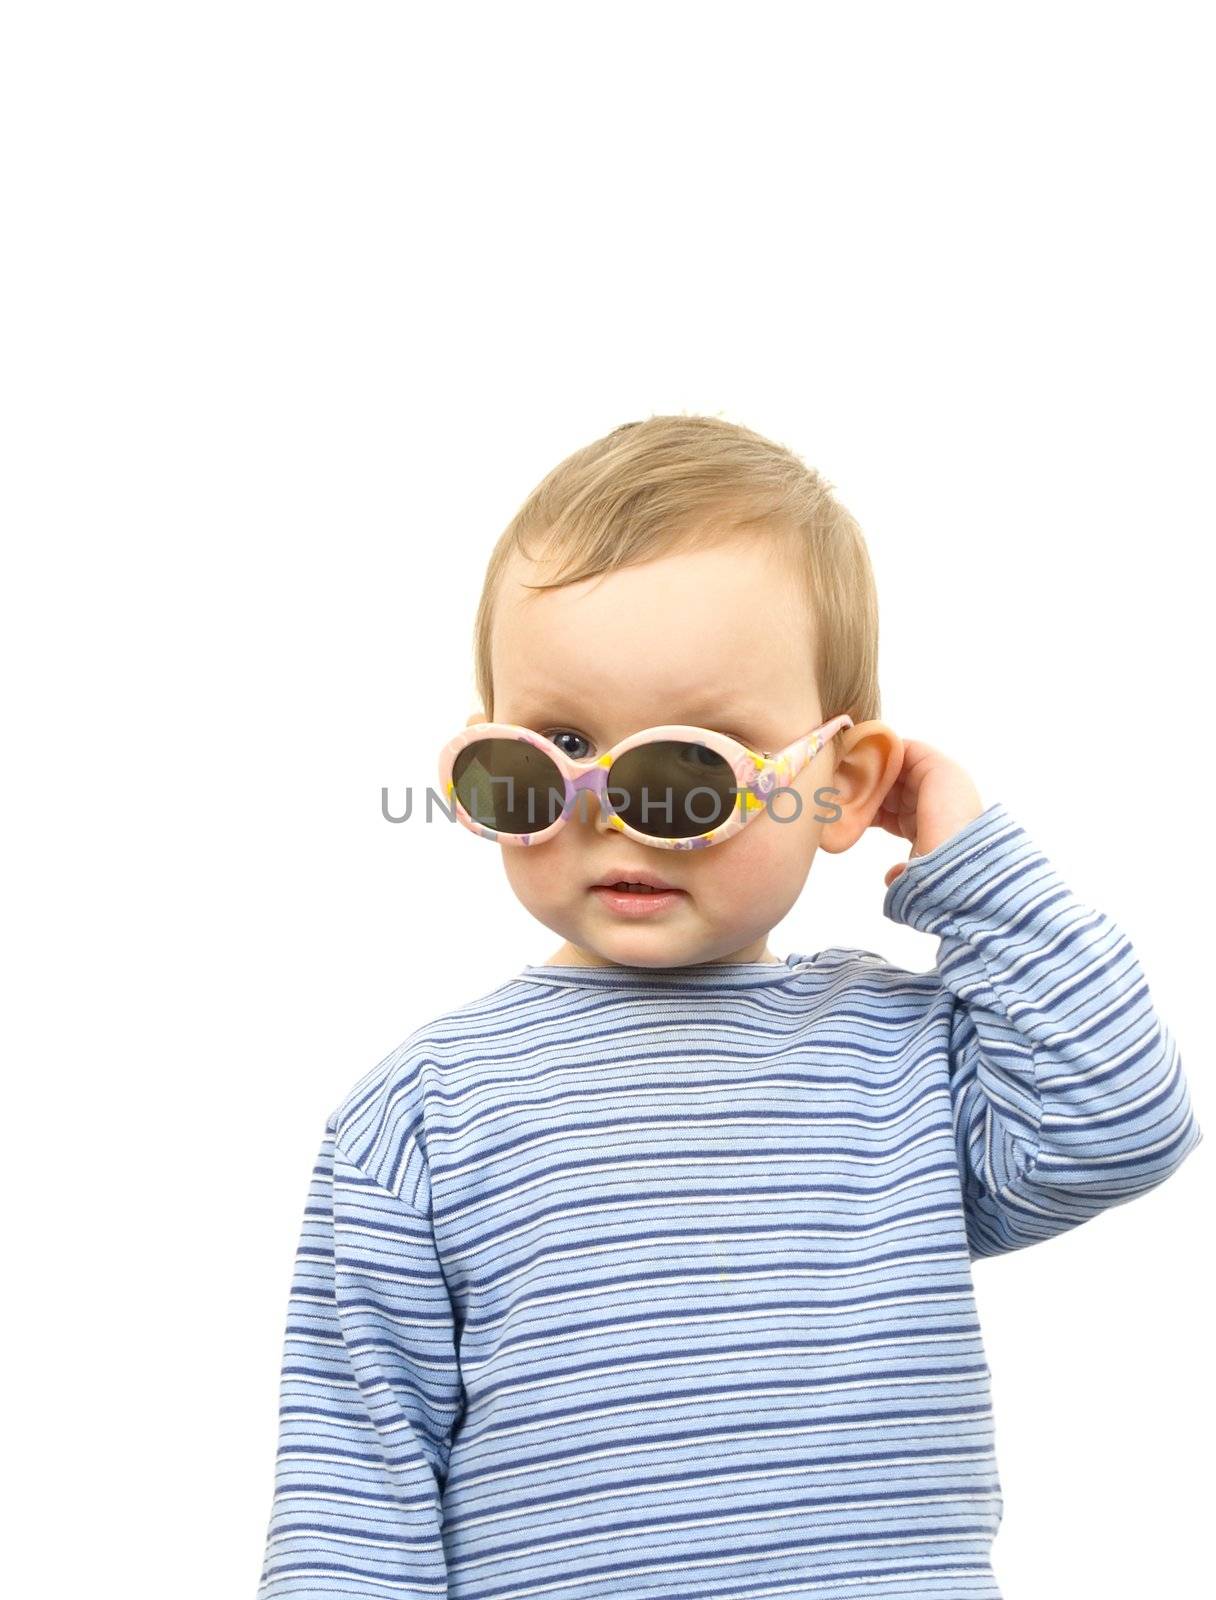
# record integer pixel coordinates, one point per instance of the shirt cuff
(961, 871)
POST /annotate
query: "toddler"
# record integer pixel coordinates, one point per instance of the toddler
(649, 1272)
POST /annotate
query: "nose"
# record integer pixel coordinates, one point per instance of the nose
(587, 803)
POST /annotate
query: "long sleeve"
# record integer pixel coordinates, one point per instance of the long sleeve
(1067, 1091)
(369, 1396)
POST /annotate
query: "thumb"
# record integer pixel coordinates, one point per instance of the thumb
(894, 872)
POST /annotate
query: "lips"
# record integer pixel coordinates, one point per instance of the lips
(637, 879)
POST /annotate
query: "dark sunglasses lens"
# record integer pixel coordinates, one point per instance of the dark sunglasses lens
(672, 790)
(508, 785)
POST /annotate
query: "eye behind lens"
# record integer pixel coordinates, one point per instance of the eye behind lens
(508, 785)
(671, 789)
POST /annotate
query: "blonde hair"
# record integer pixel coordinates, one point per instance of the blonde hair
(671, 483)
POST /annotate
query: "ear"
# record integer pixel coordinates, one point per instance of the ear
(477, 715)
(865, 772)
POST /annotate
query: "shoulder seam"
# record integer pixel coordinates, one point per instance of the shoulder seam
(352, 1160)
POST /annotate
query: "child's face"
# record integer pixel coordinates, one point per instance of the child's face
(719, 638)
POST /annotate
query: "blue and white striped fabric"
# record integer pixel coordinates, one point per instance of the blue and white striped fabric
(657, 1282)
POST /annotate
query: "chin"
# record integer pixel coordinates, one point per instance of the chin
(652, 951)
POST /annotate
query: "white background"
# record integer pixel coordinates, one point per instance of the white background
(301, 302)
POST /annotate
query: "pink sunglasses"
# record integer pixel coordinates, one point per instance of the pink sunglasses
(675, 787)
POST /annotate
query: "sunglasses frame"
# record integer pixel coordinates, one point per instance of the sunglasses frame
(756, 775)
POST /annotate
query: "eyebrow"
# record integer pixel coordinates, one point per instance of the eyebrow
(729, 708)
(698, 713)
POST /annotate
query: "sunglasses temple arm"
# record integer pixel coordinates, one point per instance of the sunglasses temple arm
(803, 751)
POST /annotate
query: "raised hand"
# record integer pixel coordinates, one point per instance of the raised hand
(930, 800)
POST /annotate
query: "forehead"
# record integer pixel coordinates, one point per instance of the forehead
(724, 625)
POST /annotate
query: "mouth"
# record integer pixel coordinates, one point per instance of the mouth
(635, 882)
(635, 893)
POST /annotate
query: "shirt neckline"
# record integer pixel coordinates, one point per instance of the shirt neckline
(722, 974)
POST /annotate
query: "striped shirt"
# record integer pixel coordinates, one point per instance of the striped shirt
(656, 1282)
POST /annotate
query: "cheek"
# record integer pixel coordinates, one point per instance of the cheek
(540, 874)
(750, 861)
(768, 851)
